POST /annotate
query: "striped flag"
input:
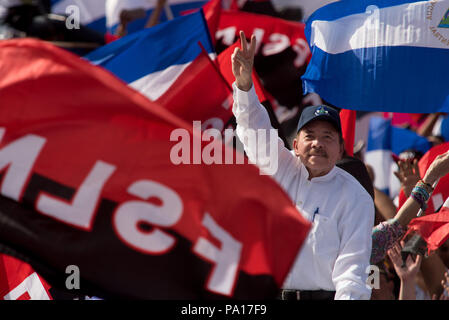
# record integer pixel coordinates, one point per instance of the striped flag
(89, 182)
(167, 65)
(151, 60)
(383, 141)
(377, 55)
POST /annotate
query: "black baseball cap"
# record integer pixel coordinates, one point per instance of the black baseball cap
(321, 112)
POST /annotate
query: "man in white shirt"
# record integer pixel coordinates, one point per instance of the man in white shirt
(334, 260)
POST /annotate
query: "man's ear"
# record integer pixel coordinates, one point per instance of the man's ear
(295, 145)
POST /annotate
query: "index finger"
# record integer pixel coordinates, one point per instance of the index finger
(243, 41)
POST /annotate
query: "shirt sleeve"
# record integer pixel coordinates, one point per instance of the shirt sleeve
(384, 236)
(260, 140)
(352, 264)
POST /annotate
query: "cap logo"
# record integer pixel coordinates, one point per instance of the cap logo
(320, 111)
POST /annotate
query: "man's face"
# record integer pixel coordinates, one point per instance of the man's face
(318, 146)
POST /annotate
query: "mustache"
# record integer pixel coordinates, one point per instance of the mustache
(318, 153)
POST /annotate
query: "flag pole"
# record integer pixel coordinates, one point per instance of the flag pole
(168, 11)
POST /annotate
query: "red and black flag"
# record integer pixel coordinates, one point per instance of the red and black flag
(19, 281)
(282, 52)
(87, 179)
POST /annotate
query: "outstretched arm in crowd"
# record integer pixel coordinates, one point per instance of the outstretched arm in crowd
(438, 169)
(388, 232)
(406, 274)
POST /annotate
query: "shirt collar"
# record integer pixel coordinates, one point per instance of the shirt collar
(328, 176)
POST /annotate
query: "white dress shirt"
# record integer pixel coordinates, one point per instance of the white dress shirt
(336, 253)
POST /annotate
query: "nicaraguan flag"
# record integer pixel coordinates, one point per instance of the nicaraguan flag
(383, 140)
(173, 9)
(91, 12)
(380, 55)
(152, 59)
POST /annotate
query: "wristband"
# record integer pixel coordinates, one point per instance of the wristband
(420, 195)
(426, 185)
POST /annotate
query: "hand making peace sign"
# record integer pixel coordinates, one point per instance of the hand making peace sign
(242, 63)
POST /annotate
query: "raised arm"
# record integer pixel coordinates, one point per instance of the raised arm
(387, 233)
(261, 142)
(438, 169)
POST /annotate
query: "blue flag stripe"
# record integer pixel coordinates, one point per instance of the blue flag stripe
(383, 140)
(383, 136)
(98, 25)
(379, 87)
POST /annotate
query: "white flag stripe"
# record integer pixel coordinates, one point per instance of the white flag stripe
(401, 25)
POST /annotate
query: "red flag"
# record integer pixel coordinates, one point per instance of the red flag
(186, 98)
(282, 51)
(90, 179)
(224, 61)
(434, 228)
(212, 12)
(19, 281)
(347, 118)
(273, 35)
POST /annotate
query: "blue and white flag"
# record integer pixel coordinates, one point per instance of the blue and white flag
(383, 141)
(380, 55)
(173, 9)
(152, 59)
(91, 12)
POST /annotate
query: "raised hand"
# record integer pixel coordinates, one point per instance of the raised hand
(243, 61)
(411, 267)
(438, 168)
(408, 174)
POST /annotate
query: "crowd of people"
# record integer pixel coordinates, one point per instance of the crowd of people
(355, 225)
